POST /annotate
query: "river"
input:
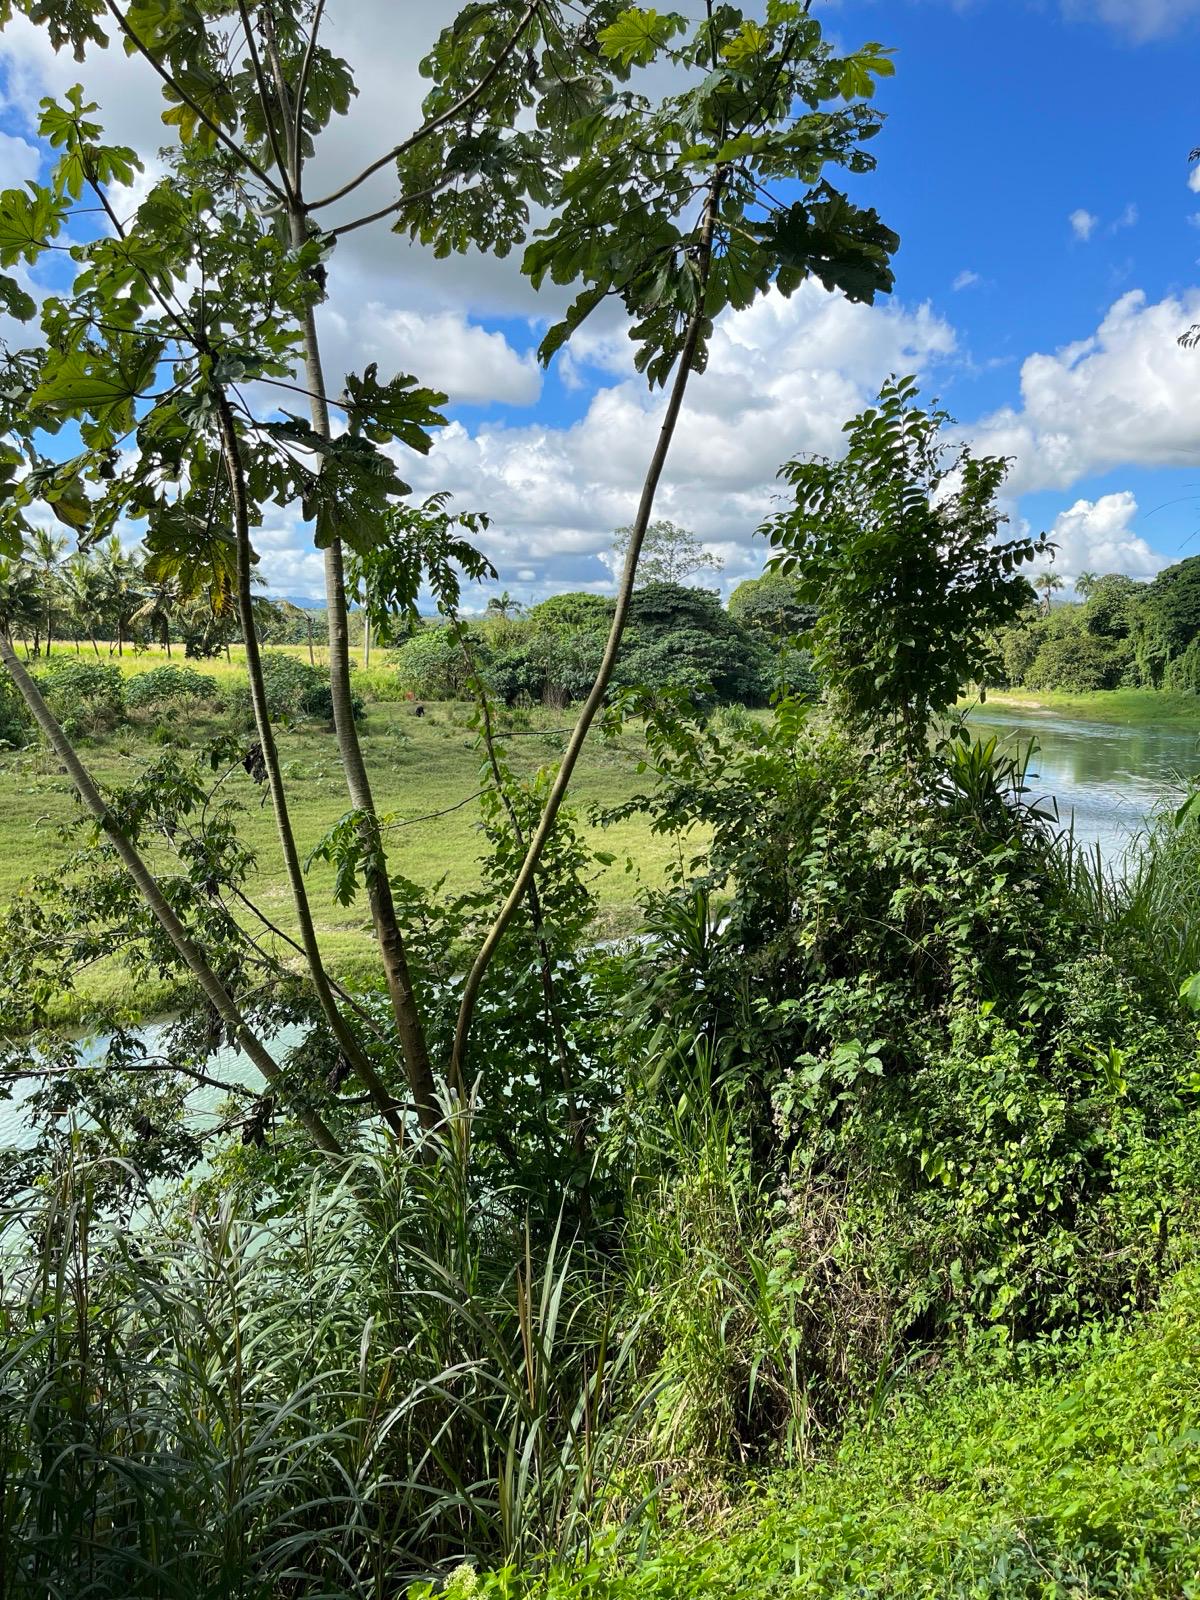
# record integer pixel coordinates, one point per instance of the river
(1106, 778)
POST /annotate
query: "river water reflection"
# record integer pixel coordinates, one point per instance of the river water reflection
(1105, 777)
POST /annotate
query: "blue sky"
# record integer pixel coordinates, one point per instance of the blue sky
(1035, 165)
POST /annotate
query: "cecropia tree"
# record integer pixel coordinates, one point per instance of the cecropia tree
(184, 353)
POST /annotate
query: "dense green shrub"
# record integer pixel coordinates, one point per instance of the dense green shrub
(16, 725)
(534, 664)
(294, 689)
(771, 605)
(165, 687)
(1079, 663)
(577, 609)
(1071, 1476)
(682, 638)
(1167, 619)
(968, 1115)
(87, 697)
(1183, 672)
(431, 665)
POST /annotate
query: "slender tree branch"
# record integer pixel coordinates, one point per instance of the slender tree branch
(462, 104)
(214, 127)
(409, 1026)
(388, 210)
(260, 81)
(546, 965)
(350, 1046)
(310, 51)
(608, 662)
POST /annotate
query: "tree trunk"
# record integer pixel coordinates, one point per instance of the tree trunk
(379, 891)
(357, 1060)
(214, 990)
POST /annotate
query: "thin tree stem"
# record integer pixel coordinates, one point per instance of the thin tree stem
(608, 662)
(464, 103)
(342, 1032)
(409, 1026)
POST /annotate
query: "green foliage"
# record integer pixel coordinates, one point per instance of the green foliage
(167, 687)
(682, 638)
(772, 605)
(969, 1118)
(574, 610)
(246, 1403)
(87, 697)
(16, 725)
(1075, 1475)
(431, 665)
(1078, 662)
(539, 664)
(758, 101)
(897, 546)
(669, 554)
(1167, 619)
(295, 689)
(1112, 605)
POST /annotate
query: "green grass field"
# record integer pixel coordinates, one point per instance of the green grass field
(1128, 706)
(425, 770)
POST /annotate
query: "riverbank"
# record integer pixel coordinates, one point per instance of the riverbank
(1125, 707)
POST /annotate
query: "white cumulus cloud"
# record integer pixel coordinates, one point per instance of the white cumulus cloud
(1098, 536)
(1083, 223)
(1126, 396)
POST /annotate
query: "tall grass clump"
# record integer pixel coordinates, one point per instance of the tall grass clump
(383, 1381)
(1146, 901)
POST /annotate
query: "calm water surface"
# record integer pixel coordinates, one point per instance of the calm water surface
(1105, 778)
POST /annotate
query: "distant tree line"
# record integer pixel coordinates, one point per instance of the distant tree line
(1121, 633)
(108, 598)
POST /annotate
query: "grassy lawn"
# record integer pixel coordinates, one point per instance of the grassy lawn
(420, 765)
(1132, 706)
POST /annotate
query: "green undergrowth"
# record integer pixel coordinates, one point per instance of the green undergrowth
(1077, 1475)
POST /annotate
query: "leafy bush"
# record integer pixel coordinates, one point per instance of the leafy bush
(87, 697)
(16, 725)
(532, 664)
(431, 665)
(294, 689)
(969, 1115)
(165, 687)
(682, 638)
(1074, 1475)
(897, 546)
(1079, 663)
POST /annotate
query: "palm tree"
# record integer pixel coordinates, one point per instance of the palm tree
(1048, 582)
(119, 573)
(46, 553)
(159, 606)
(81, 584)
(504, 606)
(20, 605)
(1086, 582)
